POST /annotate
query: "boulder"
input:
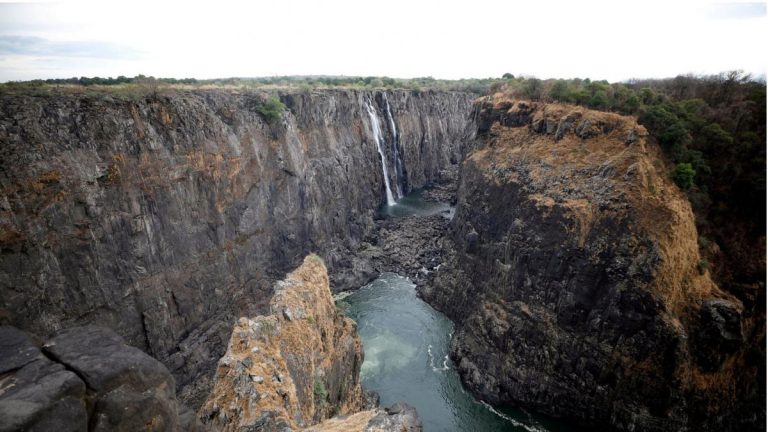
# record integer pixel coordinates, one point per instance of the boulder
(86, 378)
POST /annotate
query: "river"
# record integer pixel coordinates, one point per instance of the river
(406, 359)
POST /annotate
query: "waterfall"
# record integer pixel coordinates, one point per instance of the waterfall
(379, 138)
(398, 164)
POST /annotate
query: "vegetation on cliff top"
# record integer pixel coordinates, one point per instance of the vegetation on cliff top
(712, 128)
(141, 84)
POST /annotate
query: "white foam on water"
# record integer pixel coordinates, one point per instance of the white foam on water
(530, 428)
(432, 361)
(342, 295)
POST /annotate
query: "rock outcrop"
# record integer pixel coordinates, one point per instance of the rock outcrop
(297, 367)
(575, 282)
(85, 379)
(167, 216)
(397, 418)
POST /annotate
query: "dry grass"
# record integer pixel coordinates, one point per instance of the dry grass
(355, 423)
(626, 175)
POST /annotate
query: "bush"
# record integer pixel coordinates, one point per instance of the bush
(321, 394)
(599, 100)
(684, 175)
(270, 109)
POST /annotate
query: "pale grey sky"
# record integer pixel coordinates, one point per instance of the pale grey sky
(399, 38)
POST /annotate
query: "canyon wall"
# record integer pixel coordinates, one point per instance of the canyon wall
(574, 277)
(166, 216)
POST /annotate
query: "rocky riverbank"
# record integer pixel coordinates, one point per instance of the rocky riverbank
(411, 245)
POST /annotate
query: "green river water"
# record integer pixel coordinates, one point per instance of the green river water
(406, 346)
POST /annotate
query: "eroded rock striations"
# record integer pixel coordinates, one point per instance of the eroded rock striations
(165, 217)
(297, 367)
(575, 280)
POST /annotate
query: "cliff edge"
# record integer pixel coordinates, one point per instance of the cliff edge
(576, 281)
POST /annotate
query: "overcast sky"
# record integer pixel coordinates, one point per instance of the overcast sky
(478, 38)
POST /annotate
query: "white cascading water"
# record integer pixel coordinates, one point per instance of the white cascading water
(395, 151)
(378, 138)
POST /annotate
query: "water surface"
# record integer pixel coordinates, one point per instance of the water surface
(406, 359)
(414, 204)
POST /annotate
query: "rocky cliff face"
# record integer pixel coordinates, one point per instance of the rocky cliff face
(296, 367)
(166, 217)
(576, 284)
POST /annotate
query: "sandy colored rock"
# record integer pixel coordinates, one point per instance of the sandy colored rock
(292, 368)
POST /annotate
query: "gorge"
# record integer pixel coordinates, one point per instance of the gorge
(549, 235)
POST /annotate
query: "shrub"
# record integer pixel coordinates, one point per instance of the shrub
(703, 266)
(270, 109)
(684, 175)
(321, 394)
(599, 100)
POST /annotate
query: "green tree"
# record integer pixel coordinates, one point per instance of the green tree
(599, 100)
(632, 104)
(683, 175)
(559, 91)
(270, 109)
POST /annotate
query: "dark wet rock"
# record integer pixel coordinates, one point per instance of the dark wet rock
(443, 189)
(410, 246)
